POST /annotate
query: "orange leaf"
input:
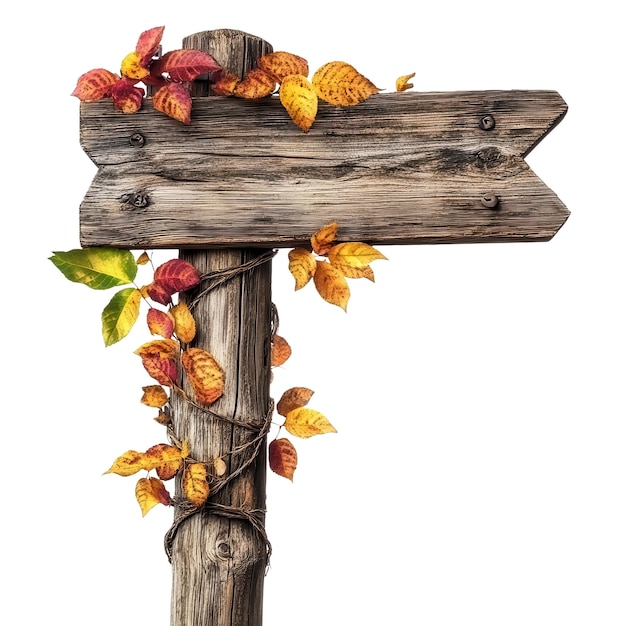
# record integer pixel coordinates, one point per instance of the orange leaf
(298, 97)
(95, 85)
(331, 285)
(283, 458)
(340, 84)
(149, 492)
(305, 423)
(204, 373)
(163, 418)
(159, 360)
(281, 351)
(279, 65)
(224, 83)
(184, 323)
(165, 459)
(256, 84)
(293, 398)
(160, 323)
(302, 266)
(154, 396)
(322, 240)
(175, 101)
(195, 484)
(402, 83)
(143, 259)
(163, 348)
(354, 254)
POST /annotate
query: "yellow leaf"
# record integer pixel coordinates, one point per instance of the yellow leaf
(283, 458)
(165, 459)
(150, 492)
(184, 323)
(322, 240)
(128, 463)
(340, 84)
(354, 254)
(293, 398)
(204, 373)
(302, 266)
(402, 83)
(161, 348)
(306, 423)
(331, 285)
(279, 65)
(256, 84)
(143, 259)
(195, 484)
(133, 68)
(281, 351)
(155, 396)
(299, 98)
(355, 272)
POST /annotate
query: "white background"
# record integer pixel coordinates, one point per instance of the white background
(478, 475)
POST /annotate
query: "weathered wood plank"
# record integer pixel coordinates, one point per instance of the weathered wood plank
(399, 168)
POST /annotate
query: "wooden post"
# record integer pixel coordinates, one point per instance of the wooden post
(218, 561)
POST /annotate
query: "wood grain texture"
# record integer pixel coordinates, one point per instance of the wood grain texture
(399, 168)
(219, 564)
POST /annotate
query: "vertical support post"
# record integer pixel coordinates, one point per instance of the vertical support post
(219, 560)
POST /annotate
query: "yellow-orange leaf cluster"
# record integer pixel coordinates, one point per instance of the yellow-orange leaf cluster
(161, 457)
(337, 83)
(342, 260)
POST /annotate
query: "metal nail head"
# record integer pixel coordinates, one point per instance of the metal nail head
(137, 140)
(487, 122)
(489, 200)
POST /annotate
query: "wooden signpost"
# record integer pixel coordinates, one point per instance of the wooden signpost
(241, 180)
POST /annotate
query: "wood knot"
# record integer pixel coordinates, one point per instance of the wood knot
(132, 201)
(223, 550)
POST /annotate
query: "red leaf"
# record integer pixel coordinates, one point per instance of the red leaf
(148, 43)
(126, 97)
(158, 293)
(95, 85)
(163, 370)
(160, 323)
(176, 275)
(185, 65)
(175, 101)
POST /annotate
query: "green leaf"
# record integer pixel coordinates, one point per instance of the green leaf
(98, 268)
(120, 315)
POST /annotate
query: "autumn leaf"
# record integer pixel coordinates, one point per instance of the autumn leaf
(402, 83)
(148, 43)
(98, 268)
(174, 100)
(159, 360)
(95, 85)
(340, 84)
(204, 373)
(160, 323)
(154, 396)
(322, 240)
(184, 323)
(281, 351)
(195, 484)
(163, 418)
(133, 67)
(279, 65)
(302, 266)
(165, 459)
(126, 97)
(176, 275)
(120, 315)
(127, 464)
(331, 285)
(283, 458)
(354, 254)
(304, 422)
(299, 98)
(256, 84)
(293, 398)
(143, 259)
(224, 83)
(149, 492)
(355, 272)
(184, 66)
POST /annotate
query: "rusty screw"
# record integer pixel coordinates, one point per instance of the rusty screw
(487, 122)
(137, 140)
(489, 200)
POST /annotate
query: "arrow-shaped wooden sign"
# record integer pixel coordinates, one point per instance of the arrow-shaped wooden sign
(401, 168)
